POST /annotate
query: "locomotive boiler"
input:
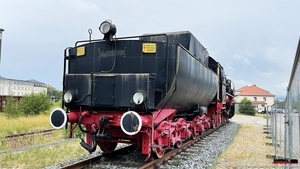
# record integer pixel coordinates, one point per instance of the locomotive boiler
(154, 91)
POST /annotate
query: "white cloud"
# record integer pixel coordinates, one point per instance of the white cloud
(267, 74)
(282, 85)
(238, 83)
(82, 5)
(239, 58)
(228, 67)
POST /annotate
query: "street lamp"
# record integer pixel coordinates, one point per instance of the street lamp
(1, 30)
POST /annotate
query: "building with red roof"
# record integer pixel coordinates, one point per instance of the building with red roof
(260, 98)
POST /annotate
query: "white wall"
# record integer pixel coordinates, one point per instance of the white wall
(9, 87)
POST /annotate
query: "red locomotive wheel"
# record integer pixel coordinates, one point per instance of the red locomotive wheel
(178, 144)
(213, 126)
(193, 136)
(159, 152)
(107, 147)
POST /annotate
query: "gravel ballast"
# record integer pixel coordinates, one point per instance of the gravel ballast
(210, 148)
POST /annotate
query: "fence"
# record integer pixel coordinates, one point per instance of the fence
(285, 126)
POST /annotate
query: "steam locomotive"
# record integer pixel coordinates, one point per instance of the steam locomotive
(154, 91)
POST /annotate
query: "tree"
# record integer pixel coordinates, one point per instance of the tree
(246, 107)
(34, 104)
(11, 108)
(280, 105)
(53, 94)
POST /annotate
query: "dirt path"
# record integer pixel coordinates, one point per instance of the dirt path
(249, 148)
(259, 121)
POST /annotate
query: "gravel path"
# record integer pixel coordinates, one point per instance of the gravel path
(243, 119)
(249, 149)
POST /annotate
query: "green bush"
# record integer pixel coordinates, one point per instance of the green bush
(246, 107)
(34, 104)
(11, 108)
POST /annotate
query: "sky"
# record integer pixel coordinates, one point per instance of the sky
(255, 41)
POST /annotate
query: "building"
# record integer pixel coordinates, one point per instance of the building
(261, 99)
(19, 88)
(13, 87)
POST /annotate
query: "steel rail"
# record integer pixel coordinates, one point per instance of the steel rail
(95, 159)
(47, 131)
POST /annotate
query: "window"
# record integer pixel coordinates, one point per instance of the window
(265, 99)
(255, 98)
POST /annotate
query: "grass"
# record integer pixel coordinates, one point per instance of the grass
(26, 124)
(30, 140)
(23, 124)
(248, 149)
(42, 157)
(38, 157)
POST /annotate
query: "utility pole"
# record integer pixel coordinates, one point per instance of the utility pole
(1, 30)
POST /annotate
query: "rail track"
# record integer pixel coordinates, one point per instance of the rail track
(96, 159)
(23, 141)
(44, 132)
(119, 156)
